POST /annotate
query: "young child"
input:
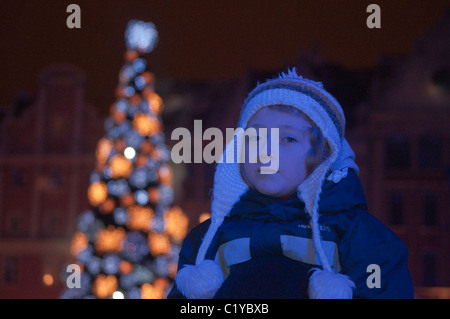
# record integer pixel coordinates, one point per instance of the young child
(301, 232)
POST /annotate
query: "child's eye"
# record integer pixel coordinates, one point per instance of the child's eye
(257, 138)
(289, 139)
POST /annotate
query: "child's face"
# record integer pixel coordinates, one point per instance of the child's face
(294, 144)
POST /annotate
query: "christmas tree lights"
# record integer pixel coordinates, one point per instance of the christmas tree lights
(127, 243)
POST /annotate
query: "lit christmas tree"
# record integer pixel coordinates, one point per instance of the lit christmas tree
(127, 243)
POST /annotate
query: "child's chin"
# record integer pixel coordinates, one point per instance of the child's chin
(270, 190)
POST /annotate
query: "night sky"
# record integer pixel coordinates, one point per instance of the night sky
(200, 40)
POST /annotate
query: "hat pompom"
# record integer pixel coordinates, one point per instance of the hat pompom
(200, 281)
(324, 284)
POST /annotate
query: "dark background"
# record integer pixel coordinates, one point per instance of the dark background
(200, 40)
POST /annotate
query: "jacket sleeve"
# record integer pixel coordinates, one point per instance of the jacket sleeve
(374, 258)
(188, 253)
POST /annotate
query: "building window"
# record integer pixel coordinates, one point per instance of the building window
(396, 209)
(55, 178)
(430, 209)
(18, 178)
(429, 269)
(52, 225)
(15, 224)
(431, 151)
(10, 271)
(398, 149)
(52, 179)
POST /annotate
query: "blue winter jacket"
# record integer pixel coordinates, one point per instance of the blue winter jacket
(265, 247)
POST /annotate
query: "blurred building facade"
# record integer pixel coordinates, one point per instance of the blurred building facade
(46, 156)
(398, 119)
(409, 149)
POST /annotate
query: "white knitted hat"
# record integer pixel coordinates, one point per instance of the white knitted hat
(309, 97)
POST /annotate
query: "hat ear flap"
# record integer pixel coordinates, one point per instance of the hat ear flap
(323, 284)
(202, 280)
(326, 284)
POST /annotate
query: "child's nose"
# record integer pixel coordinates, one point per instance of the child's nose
(265, 158)
(266, 151)
(268, 147)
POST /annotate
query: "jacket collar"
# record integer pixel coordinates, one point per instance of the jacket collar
(335, 198)
(342, 196)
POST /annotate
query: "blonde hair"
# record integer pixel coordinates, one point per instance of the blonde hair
(319, 150)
